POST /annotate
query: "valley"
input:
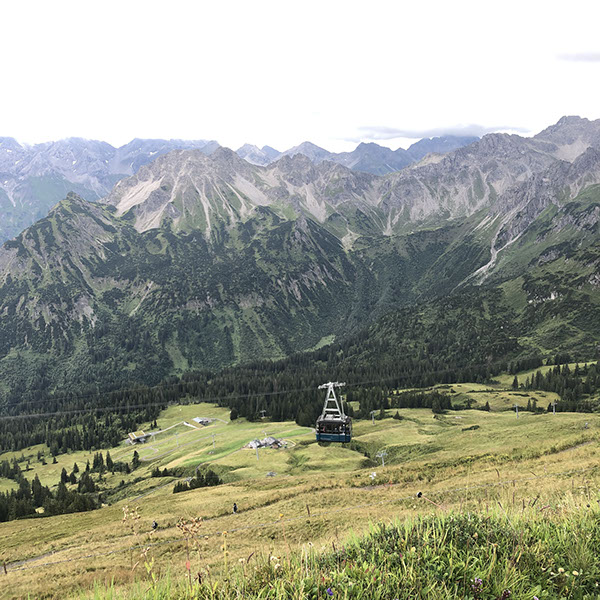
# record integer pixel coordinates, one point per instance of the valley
(447, 294)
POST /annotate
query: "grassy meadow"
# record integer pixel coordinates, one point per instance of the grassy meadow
(540, 470)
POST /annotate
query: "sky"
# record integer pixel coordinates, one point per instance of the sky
(281, 72)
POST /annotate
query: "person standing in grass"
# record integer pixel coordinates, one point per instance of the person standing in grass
(235, 508)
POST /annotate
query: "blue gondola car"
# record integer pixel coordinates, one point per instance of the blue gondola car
(333, 425)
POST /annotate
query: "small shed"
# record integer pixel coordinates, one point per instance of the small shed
(138, 437)
(268, 442)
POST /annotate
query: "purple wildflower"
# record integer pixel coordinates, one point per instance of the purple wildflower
(476, 583)
(329, 592)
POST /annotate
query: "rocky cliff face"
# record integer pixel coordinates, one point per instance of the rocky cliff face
(192, 191)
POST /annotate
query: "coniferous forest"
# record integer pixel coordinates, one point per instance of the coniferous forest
(468, 337)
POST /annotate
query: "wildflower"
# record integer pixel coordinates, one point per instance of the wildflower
(575, 573)
(413, 549)
(561, 570)
(535, 598)
(476, 584)
(329, 592)
(373, 475)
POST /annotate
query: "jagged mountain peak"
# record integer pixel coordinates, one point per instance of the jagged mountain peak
(258, 156)
(567, 122)
(10, 143)
(70, 199)
(247, 148)
(312, 151)
(572, 135)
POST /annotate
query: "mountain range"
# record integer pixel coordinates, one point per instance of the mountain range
(34, 178)
(367, 157)
(206, 260)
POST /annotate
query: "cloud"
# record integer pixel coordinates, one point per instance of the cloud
(387, 133)
(580, 57)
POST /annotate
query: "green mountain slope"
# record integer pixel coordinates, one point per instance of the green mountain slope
(88, 298)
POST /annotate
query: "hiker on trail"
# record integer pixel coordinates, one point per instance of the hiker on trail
(234, 508)
(154, 525)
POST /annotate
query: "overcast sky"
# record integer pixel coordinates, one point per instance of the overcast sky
(282, 72)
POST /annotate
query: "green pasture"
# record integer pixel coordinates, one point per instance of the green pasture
(325, 490)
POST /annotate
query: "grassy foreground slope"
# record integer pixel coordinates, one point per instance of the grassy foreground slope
(492, 554)
(539, 466)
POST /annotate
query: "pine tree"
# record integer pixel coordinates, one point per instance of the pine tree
(109, 462)
(515, 383)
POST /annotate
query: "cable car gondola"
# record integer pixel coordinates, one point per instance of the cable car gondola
(333, 425)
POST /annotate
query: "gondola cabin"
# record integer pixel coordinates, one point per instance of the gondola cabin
(333, 425)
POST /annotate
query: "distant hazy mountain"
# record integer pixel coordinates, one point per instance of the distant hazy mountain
(310, 150)
(35, 178)
(366, 157)
(438, 145)
(372, 158)
(258, 156)
(129, 158)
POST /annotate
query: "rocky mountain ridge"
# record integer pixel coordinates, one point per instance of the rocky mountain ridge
(367, 157)
(194, 191)
(34, 178)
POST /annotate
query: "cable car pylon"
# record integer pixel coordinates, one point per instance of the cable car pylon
(333, 425)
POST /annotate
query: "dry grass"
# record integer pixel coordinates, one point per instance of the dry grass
(425, 454)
